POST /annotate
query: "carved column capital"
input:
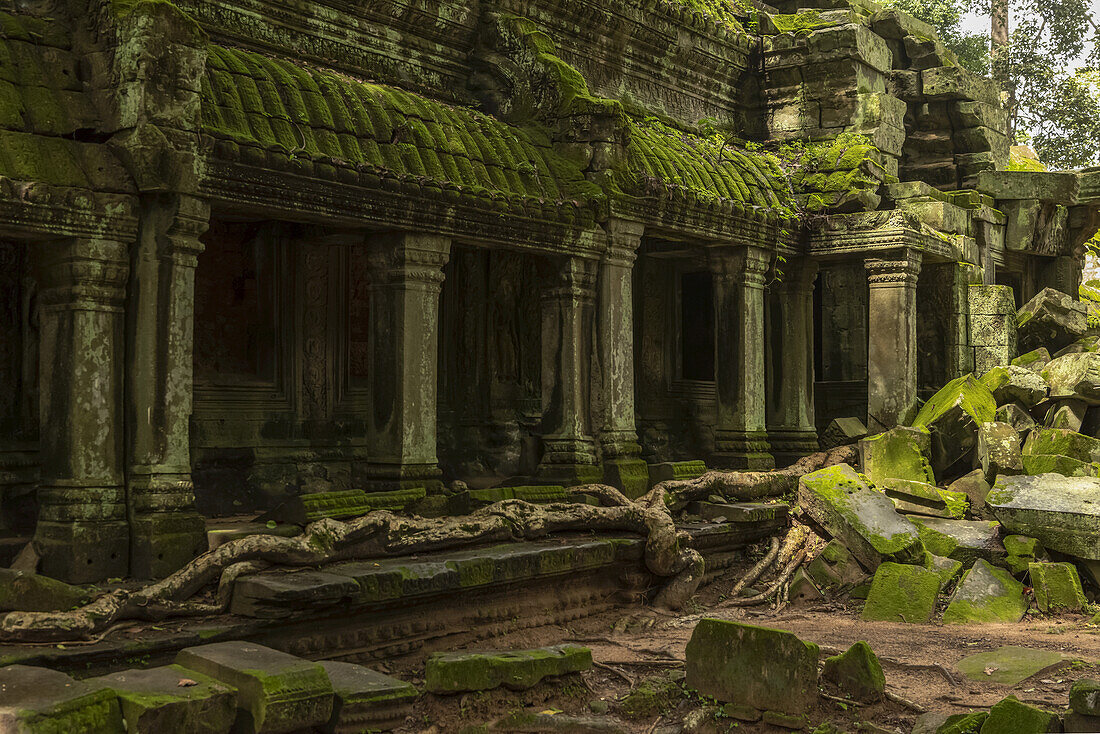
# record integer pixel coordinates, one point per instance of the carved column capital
(179, 241)
(623, 239)
(894, 272)
(84, 274)
(574, 279)
(747, 266)
(407, 258)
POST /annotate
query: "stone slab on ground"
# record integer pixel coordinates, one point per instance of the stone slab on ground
(549, 722)
(1062, 512)
(902, 593)
(948, 569)
(1009, 665)
(675, 470)
(1036, 464)
(1057, 587)
(857, 672)
(962, 540)
(1010, 716)
(986, 594)
(171, 698)
(276, 692)
(366, 700)
(36, 700)
(456, 672)
(767, 669)
(32, 592)
(862, 518)
(281, 593)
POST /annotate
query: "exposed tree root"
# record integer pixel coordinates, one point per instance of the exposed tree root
(383, 533)
(758, 570)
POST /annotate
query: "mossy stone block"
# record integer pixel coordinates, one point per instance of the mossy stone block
(366, 700)
(948, 569)
(1010, 716)
(863, 519)
(902, 593)
(1084, 697)
(1022, 545)
(921, 498)
(172, 698)
(857, 672)
(900, 453)
(975, 486)
(276, 692)
(517, 670)
(1016, 416)
(962, 540)
(953, 415)
(1036, 464)
(999, 450)
(1062, 442)
(1074, 376)
(964, 723)
(1035, 360)
(1057, 587)
(1075, 722)
(1009, 664)
(675, 471)
(1015, 384)
(835, 567)
(652, 697)
(1061, 512)
(42, 701)
(767, 669)
(31, 592)
(986, 594)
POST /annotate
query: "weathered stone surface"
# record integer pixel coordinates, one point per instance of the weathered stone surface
(34, 700)
(900, 453)
(514, 669)
(1037, 464)
(925, 499)
(857, 672)
(276, 692)
(999, 450)
(802, 588)
(30, 592)
(1075, 722)
(902, 593)
(1084, 697)
(835, 567)
(1009, 665)
(1066, 414)
(366, 700)
(1061, 512)
(548, 722)
(974, 486)
(1035, 360)
(1051, 319)
(842, 431)
(675, 470)
(948, 569)
(962, 540)
(1074, 376)
(282, 593)
(953, 415)
(739, 512)
(862, 519)
(171, 698)
(1057, 587)
(1022, 551)
(1015, 415)
(767, 669)
(1060, 442)
(1012, 717)
(1014, 384)
(986, 594)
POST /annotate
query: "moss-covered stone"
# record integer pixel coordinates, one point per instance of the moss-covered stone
(42, 701)
(652, 696)
(1010, 716)
(999, 450)
(900, 453)
(986, 594)
(1084, 697)
(1061, 512)
(835, 568)
(962, 540)
(515, 670)
(1009, 665)
(964, 723)
(1057, 587)
(925, 499)
(1074, 376)
(31, 592)
(953, 415)
(366, 700)
(948, 569)
(902, 593)
(154, 700)
(1037, 464)
(1060, 442)
(1015, 384)
(857, 672)
(1035, 360)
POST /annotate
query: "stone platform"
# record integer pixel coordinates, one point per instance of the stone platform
(375, 610)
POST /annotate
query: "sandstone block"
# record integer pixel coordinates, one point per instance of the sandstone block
(1051, 319)
(857, 672)
(974, 486)
(517, 669)
(1061, 512)
(962, 540)
(953, 415)
(172, 698)
(1035, 360)
(1019, 718)
(900, 453)
(1067, 415)
(1057, 587)
(1060, 442)
(366, 700)
(902, 593)
(835, 567)
(36, 700)
(1013, 384)
(999, 450)
(921, 498)
(1084, 697)
(30, 592)
(986, 595)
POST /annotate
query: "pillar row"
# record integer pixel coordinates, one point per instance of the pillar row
(791, 430)
(892, 338)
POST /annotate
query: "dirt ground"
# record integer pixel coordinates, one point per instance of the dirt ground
(637, 643)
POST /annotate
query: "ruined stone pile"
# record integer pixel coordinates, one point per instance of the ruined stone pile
(993, 481)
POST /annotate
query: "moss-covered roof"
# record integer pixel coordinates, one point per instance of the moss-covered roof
(722, 11)
(280, 108)
(43, 107)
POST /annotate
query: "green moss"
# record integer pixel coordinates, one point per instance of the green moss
(902, 593)
(974, 398)
(1057, 587)
(1010, 716)
(857, 672)
(652, 697)
(799, 23)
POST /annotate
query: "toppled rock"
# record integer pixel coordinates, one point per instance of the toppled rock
(922, 498)
(153, 700)
(900, 453)
(986, 594)
(857, 672)
(1037, 464)
(1084, 344)
(1068, 414)
(948, 569)
(842, 432)
(1022, 552)
(1010, 716)
(366, 700)
(36, 700)
(999, 450)
(1016, 416)
(838, 500)
(902, 593)
(1084, 697)
(30, 592)
(1014, 384)
(953, 415)
(653, 697)
(1060, 442)
(1063, 513)
(1051, 319)
(835, 567)
(1083, 723)
(802, 589)
(975, 486)
(275, 691)
(963, 540)
(1074, 376)
(1009, 665)
(767, 669)
(1057, 587)
(676, 471)
(1035, 360)
(455, 672)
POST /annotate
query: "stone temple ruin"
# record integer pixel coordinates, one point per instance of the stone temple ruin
(272, 263)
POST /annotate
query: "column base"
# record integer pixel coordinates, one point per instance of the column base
(568, 475)
(83, 551)
(163, 543)
(746, 450)
(568, 462)
(390, 477)
(629, 475)
(790, 445)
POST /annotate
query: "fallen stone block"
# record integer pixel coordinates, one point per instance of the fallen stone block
(953, 415)
(975, 486)
(1066, 414)
(281, 593)
(1015, 416)
(1036, 464)
(1075, 722)
(1084, 697)
(922, 498)
(1084, 344)
(857, 672)
(842, 432)
(963, 540)
(31, 592)
(1051, 319)
(786, 721)
(802, 589)
(1035, 360)
(680, 471)
(276, 692)
(986, 594)
(835, 568)
(864, 520)
(366, 700)
(999, 450)
(1063, 513)
(34, 700)
(654, 696)
(171, 698)
(1059, 442)
(1022, 552)
(455, 672)
(1010, 664)
(1010, 715)
(900, 453)
(1074, 376)
(902, 593)
(1057, 587)
(340, 505)
(1014, 384)
(948, 569)
(767, 669)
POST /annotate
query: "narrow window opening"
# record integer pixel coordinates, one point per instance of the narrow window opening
(697, 326)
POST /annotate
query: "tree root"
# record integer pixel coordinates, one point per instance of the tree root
(758, 570)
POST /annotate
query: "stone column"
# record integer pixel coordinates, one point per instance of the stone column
(82, 534)
(622, 456)
(892, 338)
(791, 430)
(406, 283)
(569, 453)
(166, 531)
(740, 436)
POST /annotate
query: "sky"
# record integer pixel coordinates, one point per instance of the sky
(976, 23)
